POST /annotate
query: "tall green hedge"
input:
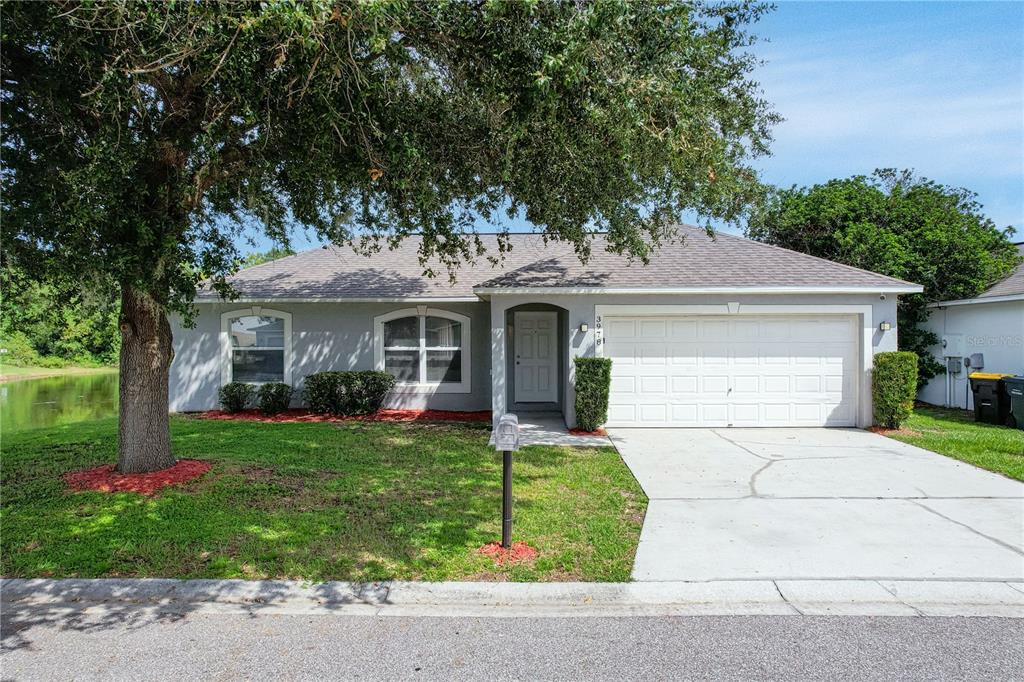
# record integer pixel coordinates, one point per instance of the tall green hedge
(347, 393)
(593, 379)
(893, 387)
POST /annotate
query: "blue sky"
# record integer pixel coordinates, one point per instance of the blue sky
(937, 87)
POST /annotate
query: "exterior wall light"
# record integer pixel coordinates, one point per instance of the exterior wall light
(885, 326)
(584, 328)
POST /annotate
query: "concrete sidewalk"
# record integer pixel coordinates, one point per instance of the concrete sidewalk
(33, 598)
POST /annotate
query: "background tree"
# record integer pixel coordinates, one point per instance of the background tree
(140, 138)
(896, 224)
(260, 257)
(54, 323)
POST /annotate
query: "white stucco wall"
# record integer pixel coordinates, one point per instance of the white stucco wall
(994, 329)
(339, 336)
(325, 336)
(581, 309)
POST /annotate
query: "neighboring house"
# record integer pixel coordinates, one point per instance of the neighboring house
(712, 332)
(991, 324)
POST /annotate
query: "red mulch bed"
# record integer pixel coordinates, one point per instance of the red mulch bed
(519, 551)
(105, 480)
(581, 432)
(291, 416)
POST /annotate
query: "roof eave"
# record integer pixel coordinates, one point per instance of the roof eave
(618, 291)
(342, 299)
(980, 299)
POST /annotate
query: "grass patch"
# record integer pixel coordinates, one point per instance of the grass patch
(954, 433)
(16, 373)
(349, 501)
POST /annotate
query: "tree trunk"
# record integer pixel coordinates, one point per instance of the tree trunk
(144, 436)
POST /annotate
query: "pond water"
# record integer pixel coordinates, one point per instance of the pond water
(31, 403)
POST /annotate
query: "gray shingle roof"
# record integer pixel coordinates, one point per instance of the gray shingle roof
(1012, 285)
(696, 261)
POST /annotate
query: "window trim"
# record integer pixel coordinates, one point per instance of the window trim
(422, 312)
(226, 348)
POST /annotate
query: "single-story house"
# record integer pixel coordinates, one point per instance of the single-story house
(717, 331)
(991, 324)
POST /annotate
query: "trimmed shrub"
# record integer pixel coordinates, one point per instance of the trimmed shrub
(593, 379)
(321, 393)
(347, 393)
(893, 387)
(236, 396)
(274, 397)
(364, 392)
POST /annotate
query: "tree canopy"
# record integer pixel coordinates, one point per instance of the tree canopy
(897, 224)
(140, 138)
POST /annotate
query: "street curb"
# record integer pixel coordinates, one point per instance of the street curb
(754, 597)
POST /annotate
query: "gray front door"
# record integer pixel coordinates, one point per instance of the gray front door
(536, 346)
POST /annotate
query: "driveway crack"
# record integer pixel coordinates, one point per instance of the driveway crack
(753, 478)
(964, 525)
(742, 447)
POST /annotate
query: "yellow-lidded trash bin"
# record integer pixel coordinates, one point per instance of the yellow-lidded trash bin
(991, 404)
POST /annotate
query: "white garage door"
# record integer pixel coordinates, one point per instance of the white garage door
(732, 370)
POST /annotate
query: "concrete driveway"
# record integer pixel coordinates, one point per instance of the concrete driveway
(735, 504)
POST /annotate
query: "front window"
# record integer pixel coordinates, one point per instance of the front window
(257, 348)
(425, 349)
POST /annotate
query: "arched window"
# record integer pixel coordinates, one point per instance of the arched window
(425, 349)
(256, 345)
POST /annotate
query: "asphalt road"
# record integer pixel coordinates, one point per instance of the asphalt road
(129, 645)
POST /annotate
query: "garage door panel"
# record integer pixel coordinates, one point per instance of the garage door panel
(744, 330)
(749, 384)
(714, 414)
(683, 330)
(747, 371)
(685, 414)
(745, 414)
(684, 354)
(621, 413)
(714, 329)
(652, 353)
(654, 384)
(777, 385)
(621, 329)
(684, 385)
(712, 384)
(774, 330)
(714, 357)
(652, 329)
(778, 414)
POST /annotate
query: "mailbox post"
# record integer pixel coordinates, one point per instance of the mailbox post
(506, 440)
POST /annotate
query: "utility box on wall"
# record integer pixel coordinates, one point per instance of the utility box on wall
(952, 345)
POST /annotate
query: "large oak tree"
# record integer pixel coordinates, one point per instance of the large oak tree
(141, 138)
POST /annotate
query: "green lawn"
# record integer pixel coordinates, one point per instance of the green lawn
(350, 501)
(954, 433)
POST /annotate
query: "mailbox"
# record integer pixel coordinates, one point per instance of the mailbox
(506, 433)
